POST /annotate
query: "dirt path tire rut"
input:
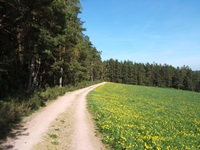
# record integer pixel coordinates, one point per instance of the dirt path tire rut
(78, 131)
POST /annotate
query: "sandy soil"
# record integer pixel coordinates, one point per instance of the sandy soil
(63, 124)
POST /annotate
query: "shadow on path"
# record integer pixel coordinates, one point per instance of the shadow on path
(17, 131)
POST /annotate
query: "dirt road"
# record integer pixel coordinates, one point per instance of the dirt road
(64, 123)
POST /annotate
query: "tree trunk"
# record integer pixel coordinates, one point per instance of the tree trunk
(30, 68)
(62, 50)
(20, 46)
(36, 74)
(92, 73)
(61, 77)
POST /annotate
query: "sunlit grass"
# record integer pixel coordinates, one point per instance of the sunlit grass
(139, 117)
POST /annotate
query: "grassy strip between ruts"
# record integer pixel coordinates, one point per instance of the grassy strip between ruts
(140, 117)
(13, 109)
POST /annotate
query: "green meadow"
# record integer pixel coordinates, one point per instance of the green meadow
(141, 117)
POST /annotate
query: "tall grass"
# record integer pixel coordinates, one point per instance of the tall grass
(10, 113)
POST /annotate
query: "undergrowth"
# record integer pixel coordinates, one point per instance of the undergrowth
(12, 109)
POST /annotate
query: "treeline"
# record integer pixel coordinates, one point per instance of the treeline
(43, 45)
(129, 72)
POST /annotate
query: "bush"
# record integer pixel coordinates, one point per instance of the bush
(10, 113)
(52, 93)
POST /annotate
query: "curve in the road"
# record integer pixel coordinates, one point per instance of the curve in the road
(31, 132)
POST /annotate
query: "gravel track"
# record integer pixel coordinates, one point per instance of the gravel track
(62, 124)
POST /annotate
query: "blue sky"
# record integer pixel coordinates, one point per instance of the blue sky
(160, 31)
